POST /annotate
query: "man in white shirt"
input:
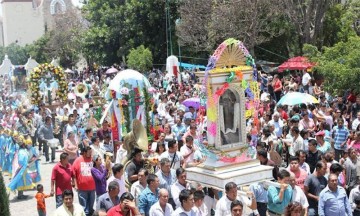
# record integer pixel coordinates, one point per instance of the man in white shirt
(138, 186)
(188, 150)
(162, 207)
(298, 195)
(231, 194)
(356, 122)
(175, 157)
(118, 176)
(305, 81)
(199, 207)
(186, 199)
(277, 123)
(68, 208)
(178, 186)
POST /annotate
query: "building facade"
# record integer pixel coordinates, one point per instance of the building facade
(24, 21)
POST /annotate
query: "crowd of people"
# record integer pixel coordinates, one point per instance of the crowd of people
(313, 149)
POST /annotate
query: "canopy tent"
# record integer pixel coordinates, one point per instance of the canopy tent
(267, 66)
(296, 63)
(191, 66)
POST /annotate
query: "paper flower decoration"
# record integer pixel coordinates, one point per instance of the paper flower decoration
(124, 91)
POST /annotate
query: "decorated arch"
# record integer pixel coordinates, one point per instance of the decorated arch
(232, 59)
(37, 76)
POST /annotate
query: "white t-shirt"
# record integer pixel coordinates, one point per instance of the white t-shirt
(177, 159)
(305, 79)
(299, 197)
(223, 205)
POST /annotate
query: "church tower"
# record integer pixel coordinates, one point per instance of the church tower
(23, 21)
(53, 8)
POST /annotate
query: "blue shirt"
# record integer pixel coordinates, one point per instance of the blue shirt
(334, 203)
(146, 199)
(260, 193)
(179, 130)
(166, 181)
(274, 204)
(340, 135)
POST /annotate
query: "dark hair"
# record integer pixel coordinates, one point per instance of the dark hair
(112, 185)
(117, 168)
(67, 192)
(171, 143)
(63, 156)
(296, 130)
(294, 158)
(283, 173)
(312, 142)
(127, 196)
(179, 171)
(262, 152)
(335, 167)
(93, 139)
(184, 195)
(189, 138)
(88, 130)
(299, 152)
(71, 115)
(158, 145)
(199, 195)
(292, 207)
(319, 165)
(229, 186)
(39, 187)
(151, 178)
(303, 132)
(236, 203)
(146, 172)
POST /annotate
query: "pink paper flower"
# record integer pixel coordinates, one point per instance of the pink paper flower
(124, 91)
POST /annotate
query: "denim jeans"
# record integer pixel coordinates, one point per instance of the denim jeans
(41, 212)
(86, 200)
(59, 200)
(313, 212)
(46, 152)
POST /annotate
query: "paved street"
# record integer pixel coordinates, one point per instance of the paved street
(28, 206)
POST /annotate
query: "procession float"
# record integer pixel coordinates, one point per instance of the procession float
(231, 92)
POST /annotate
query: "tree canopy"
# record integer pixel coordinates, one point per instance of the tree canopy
(140, 59)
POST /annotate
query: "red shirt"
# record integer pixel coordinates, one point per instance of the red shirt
(62, 177)
(115, 211)
(82, 172)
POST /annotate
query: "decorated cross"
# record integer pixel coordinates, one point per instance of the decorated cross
(135, 101)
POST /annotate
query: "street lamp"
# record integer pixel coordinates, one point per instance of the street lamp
(48, 78)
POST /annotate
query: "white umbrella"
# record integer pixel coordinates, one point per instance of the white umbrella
(68, 71)
(111, 70)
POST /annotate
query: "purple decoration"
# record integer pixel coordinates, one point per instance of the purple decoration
(249, 93)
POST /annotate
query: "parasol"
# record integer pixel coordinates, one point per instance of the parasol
(192, 102)
(296, 63)
(111, 70)
(294, 98)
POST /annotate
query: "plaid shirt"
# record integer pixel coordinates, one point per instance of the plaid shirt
(340, 135)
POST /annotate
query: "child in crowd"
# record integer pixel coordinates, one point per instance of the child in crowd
(40, 199)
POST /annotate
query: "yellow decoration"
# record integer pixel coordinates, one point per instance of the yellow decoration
(222, 70)
(41, 71)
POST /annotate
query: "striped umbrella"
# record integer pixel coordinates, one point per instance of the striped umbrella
(294, 98)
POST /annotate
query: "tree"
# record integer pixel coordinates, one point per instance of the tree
(307, 16)
(341, 63)
(206, 24)
(39, 50)
(4, 198)
(64, 39)
(140, 59)
(118, 26)
(16, 53)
